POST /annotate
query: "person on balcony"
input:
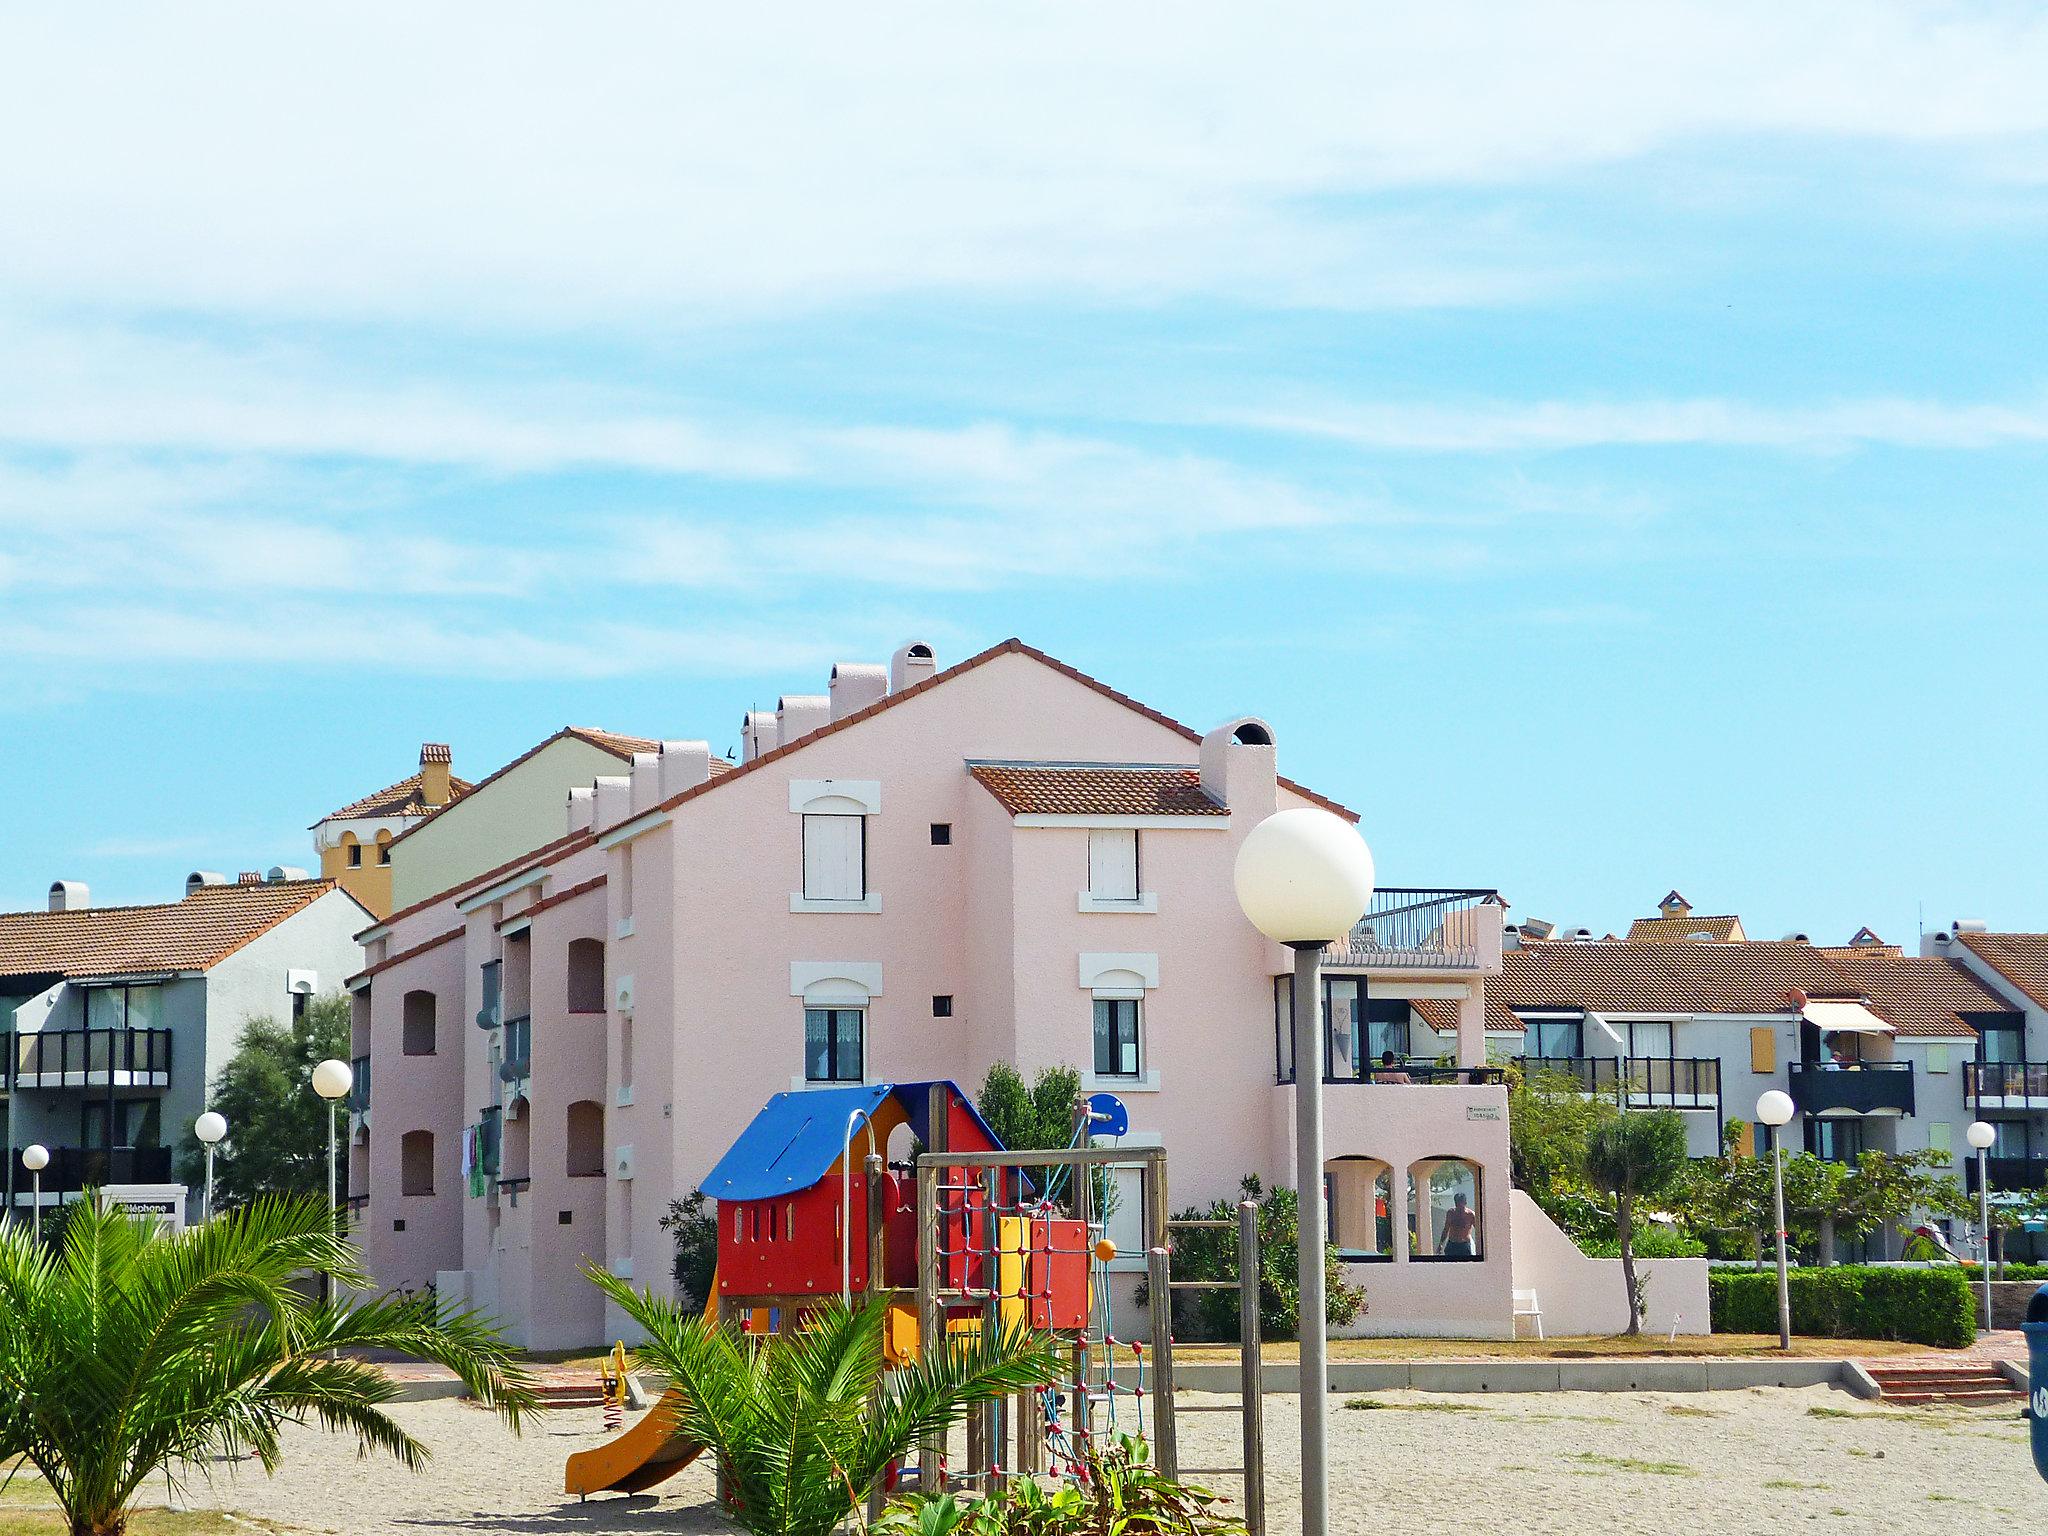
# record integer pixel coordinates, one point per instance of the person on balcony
(1390, 1070)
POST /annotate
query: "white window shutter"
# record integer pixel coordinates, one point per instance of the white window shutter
(833, 859)
(1113, 864)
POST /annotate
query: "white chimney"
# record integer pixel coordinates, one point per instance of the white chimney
(758, 734)
(279, 873)
(1962, 924)
(799, 714)
(911, 665)
(855, 685)
(203, 877)
(684, 765)
(646, 781)
(582, 808)
(69, 896)
(1238, 765)
(614, 800)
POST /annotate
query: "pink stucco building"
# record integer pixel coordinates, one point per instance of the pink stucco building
(913, 875)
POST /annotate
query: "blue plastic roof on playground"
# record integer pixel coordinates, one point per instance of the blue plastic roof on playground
(796, 1137)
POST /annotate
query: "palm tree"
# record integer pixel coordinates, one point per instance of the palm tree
(124, 1354)
(804, 1422)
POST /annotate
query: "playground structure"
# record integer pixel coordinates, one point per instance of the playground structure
(967, 1236)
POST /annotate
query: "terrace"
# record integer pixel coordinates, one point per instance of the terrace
(1639, 1082)
(87, 1058)
(1871, 1088)
(1411, 928)
(2016, 1085)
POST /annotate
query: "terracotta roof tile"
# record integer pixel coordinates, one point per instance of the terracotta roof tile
(435, 752)
(1922, 996)
(405, 798)
(1096, 789)
(190, 935)
(1653, 930)
(2021, 958)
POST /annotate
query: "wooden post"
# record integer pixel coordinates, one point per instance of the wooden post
(1159, 1283)
(1251, 1363)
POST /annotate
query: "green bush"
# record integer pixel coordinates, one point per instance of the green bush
(1211, 1254)
(1851, 1301)
(1653, 1240)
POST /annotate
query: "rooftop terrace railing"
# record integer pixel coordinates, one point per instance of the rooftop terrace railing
(1412, 928)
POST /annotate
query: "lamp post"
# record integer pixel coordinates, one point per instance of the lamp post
(35, 1157)
(1774, 1109)
(332, 1080)
(1304, 878)
(1981, 1135)
(209, 1128)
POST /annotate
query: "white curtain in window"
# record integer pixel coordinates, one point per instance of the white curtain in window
(833, 863)
(1113, 864)
(1124, 1223)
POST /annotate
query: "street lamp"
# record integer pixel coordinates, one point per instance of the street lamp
(332, 1081)
(1774, 1109)
(35, 1158)
(1981, 1135)
(209, 1128)
(1304, 878)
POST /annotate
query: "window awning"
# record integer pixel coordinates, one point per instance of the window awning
(1840, 1018)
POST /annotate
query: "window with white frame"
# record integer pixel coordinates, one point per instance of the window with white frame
(1122, 1196)
(834, 1044)
(1117, 1050)
(1113, 864)
(835, 858)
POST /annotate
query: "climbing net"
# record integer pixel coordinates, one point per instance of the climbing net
(1021, 1237)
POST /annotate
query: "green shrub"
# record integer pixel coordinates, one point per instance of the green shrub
(1851, 1301)
(1654, 1240)
(1211, 1254)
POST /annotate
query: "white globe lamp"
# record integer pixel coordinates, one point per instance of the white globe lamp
(35, 1157)
(209, 1128)
(1981, 1136)
(332, 1079)
(1774, 1108)
(1304, 877)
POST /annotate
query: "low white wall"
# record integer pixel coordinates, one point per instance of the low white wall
(1580, 1295)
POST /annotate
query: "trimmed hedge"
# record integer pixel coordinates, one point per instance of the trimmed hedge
(1851, 1301)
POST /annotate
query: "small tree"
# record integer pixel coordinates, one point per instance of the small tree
(694, 1226)
(277, 1125)
(1631, 1158)
(1550, 1120)
(1035, 1119)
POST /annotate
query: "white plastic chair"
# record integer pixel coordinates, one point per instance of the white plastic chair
(1526, 1305)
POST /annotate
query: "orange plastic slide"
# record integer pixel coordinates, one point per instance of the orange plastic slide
(644, 1455)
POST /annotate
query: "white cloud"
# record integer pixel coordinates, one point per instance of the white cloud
(639, 161)
(1508, 426)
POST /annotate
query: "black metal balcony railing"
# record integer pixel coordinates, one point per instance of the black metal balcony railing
(89, 1058)
(75, 1168)
(1407, 928)
(1429, 1071)
(1594, 1074)
(512, 1188)
(1674, 1082)
(357, 1205)
(1875, 1086)
(359, 1088)
(2008, 1174)
(2005, 1080)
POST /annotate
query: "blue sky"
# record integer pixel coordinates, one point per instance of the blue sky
(1608, 442)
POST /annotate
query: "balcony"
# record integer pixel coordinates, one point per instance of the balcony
(517, 1062)
(2006, 1084)
(1408, 1072)
(1874, 1088)
(76, 1168)
(1640, 1082)
(1409, 929)
(2008, 1174)
(90, 1058)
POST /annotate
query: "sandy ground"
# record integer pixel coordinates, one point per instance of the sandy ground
(1760, 1461)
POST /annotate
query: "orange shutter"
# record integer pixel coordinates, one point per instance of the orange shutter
(1763, 1049)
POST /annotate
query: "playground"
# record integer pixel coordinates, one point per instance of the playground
(1761, 1461)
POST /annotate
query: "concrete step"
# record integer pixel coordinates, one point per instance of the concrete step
(1965, 1399)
